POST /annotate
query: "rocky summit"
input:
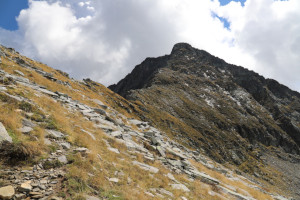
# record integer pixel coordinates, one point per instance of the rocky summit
(231, 114)
(190, 127)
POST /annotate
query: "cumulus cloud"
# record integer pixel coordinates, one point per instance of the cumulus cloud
(105, 39)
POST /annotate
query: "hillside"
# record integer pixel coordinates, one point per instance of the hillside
(230, 113)
(68, 139)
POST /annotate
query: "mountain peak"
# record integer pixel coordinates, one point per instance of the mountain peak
(180, 46)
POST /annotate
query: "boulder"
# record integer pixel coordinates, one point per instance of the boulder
(7, 192)
(3, 134)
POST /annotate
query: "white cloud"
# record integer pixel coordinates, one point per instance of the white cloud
(109, 38)
(90, 8)
(81, 4)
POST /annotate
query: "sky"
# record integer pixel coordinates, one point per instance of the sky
(105, 39)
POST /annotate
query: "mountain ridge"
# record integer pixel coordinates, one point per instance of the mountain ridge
(252, 82)
(229, 111)
(62, 138)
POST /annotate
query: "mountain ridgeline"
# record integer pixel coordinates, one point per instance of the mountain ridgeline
(191, 127)
(225, 109)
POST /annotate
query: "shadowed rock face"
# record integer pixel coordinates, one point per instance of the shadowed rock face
(225, 109)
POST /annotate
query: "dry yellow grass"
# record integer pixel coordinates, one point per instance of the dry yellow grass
(236, 184)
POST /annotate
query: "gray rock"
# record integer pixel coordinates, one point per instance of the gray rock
(2, 88)
(20, 196)
(175, 163)
(65, 145)
(63, 159)
(205, 178)
(25, 187)
(175, 153)
(171, 177)
(81, 150)
(180, 187)
(149, 194)
(161, 151)
(234, 194)
(47, 141)
(116, 134)
(146, 167)
(48, 92)
(28, 123)
(54, 134)
(166, 192)
(42, 187)
(18, 78)
(114, 150)
(19, 72)
(89, 113)
(114, 180)
(25, 129)
(17, 98)
(135, 122)
(100, 111)
(3, 134)
(7, 192)
(154, 140)
(83, 108)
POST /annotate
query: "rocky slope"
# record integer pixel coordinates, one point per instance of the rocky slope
(66, 139)
(234, 115)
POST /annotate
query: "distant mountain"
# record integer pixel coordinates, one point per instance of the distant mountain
(233, 114)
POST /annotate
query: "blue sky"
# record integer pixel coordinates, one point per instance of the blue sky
(225, 2)
(9, 10)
